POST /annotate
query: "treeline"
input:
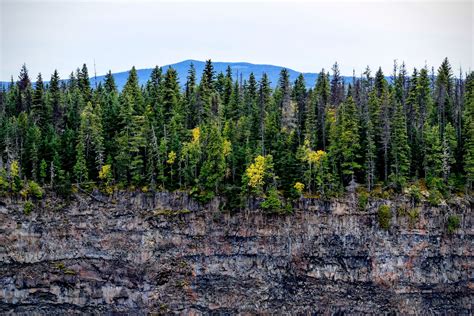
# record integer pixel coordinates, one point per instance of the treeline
(238, 139)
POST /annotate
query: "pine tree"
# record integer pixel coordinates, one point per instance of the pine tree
(206, 103)
(386, 130)
(264, 100)
(227, 93)
(300, 97)
(213, 169)
(84, 83)
(55, 101)
(80, 168)
(33, 142)
(38, 110)
(380, 83)
(443, 96)
(171, 93)
(91, 136)
(321, 100)
(433, 157)
(23, 102)
(337, 86)
(399, 149)
(190, 96)
(132, 90)
(131, 142)
(423, 106)
(348, 125)
(370, 156)
(288, 119)
(109, 83)
(449, 144)
(468, 131)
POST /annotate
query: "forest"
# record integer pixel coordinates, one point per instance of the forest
(402, 133)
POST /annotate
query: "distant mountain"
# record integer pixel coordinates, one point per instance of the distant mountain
(239, 69)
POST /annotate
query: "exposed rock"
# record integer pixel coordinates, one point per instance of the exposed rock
(164, 253)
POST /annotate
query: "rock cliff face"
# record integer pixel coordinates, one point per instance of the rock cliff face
(164, 253)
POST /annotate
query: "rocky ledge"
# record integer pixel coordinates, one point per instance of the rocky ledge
(146, 253)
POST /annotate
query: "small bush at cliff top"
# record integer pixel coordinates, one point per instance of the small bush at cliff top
(413, 216)
(272, 203)
(453, 223)
(35, 189)
(435, 197)
(384, 216)
(28, 207)
(363, 199)
(415, 193)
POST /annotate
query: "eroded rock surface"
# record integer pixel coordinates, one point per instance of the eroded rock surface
(164, 253)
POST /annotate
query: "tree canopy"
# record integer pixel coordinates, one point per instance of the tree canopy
(224, 135)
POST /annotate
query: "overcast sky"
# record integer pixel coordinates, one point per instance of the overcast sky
(305, 36)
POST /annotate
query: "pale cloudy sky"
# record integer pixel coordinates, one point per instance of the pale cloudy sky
(302, 35)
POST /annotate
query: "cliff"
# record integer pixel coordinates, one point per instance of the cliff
(164, 253)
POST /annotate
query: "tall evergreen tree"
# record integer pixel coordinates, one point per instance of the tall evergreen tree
(468, 131)
(337, 86)
(300, 97)
(399, 149)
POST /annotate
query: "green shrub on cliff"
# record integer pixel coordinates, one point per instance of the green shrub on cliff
(384, 216)
(363, 200)
(35, 189)
(3, 180)
(272, 203)
(413, 216)
(28, 207)
(435, 197)
(453, 223)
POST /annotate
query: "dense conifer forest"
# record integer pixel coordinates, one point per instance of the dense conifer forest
(410, 133)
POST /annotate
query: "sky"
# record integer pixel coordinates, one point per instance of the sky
(302, 35)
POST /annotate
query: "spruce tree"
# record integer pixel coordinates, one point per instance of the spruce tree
(132, 90)
(433, 157)
(84, 83)
(399, 149)
(348, 125)
(55, 100)
(468, 132)
(288, 119)
(38, 110)
(264, 100)
(300, 98)
(337, 86)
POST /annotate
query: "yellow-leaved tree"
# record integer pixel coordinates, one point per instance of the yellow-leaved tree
(316, 167)
(259, 174)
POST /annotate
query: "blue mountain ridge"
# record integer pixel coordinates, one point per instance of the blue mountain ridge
(239, 70)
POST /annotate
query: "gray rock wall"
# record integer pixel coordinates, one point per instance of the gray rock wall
(164, 253)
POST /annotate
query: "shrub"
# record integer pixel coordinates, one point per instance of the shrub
(363, 199)
(401, 211)
(3, 180)
(35, 189)
(453, 223)
(387, 194)
(435, 197)
(201, 196)
(415, 194)
(413, 216)
(384, 216)
(272, 203)
(28, 207)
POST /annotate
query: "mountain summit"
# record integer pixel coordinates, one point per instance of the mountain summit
(240, 70)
